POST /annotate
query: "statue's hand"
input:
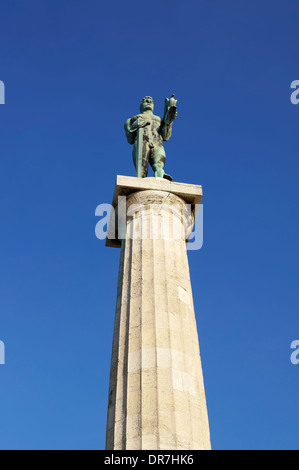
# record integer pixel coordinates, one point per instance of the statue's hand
(171, 114)
(139, 122)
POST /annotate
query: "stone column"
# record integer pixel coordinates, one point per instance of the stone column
(156, 394)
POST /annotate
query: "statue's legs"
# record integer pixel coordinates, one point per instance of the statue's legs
(157, 161)
(155, 156)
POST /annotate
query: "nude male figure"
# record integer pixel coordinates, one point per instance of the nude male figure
(156, 130)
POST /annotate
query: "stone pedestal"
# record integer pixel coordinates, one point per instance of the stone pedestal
(156, 394)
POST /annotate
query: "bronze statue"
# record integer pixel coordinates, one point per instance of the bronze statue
(147, 132)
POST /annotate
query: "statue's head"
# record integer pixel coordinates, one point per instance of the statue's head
(147, 104)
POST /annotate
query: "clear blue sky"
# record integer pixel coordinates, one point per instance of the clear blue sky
(74, 71)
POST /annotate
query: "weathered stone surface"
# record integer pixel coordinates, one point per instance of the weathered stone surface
(156, 396)
(127, 185)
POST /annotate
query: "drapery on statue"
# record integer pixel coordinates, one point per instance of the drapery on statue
(147, 132)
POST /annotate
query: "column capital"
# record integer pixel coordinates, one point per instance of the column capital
(153, 191)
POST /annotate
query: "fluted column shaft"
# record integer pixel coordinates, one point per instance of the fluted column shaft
(156, 395)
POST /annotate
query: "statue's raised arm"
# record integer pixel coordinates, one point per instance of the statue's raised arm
(170, 113)
(147, 132)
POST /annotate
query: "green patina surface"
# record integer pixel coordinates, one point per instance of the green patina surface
(147, 132)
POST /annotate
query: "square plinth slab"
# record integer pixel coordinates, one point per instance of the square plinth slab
(127, 185)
